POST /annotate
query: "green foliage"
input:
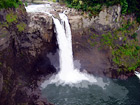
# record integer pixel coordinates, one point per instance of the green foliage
(93, 6)
(11, 17)
(126, 56)
(124, 5)
(134, 35)
(9, 3)
(123, 45)
(54, 0)
(21, 26)
(107, 39)
(26, 3)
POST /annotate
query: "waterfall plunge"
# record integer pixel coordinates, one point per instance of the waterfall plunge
(68, 74)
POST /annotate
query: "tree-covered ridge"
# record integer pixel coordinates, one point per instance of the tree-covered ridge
(95, 6)
(9, 3)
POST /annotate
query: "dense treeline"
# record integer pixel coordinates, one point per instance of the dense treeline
(9, 3)
(95, 6)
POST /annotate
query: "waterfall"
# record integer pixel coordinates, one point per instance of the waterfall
(137, 74)
(68, 74)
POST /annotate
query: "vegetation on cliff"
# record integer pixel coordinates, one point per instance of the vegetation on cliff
(123, 44)
(95, 6)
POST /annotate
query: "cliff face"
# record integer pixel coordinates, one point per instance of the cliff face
(24, 44)
(27, 39)
(83, 27)
(93, 60)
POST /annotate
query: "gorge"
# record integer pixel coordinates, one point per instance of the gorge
(53, 54)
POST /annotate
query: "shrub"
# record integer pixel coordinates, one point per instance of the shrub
(9, 3)
(11, 17)
(21, 26)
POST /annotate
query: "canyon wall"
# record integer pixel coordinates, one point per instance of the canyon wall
(26, 40)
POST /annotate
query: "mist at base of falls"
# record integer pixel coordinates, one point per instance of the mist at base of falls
(68, 74)
(106, 92)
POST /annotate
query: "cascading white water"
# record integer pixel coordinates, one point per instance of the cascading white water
(137, 74)
(68, 74)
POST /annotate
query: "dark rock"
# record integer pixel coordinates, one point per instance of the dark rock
(1, 82)
(23, 57)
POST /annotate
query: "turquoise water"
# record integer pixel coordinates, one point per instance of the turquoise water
(105, 92)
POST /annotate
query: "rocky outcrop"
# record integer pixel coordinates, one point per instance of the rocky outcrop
(108, 18)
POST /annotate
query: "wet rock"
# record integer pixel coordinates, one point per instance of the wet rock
(123, 77)
(55, 14)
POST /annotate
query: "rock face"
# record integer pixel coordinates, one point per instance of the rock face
(23, 51)
(107, 18)
(25, 42)
(83, 27)
(92, 59)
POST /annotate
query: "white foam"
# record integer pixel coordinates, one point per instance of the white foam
(68, 74)
(36, 8)
(137, 74)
